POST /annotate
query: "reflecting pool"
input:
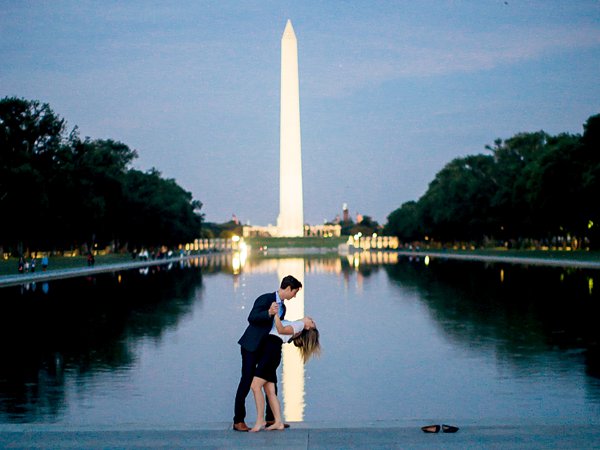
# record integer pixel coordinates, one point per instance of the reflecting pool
(403, 339)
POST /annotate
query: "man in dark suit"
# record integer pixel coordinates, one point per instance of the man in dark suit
(260, 322)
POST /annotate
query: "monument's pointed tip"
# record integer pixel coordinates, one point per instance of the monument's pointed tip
(289, 29)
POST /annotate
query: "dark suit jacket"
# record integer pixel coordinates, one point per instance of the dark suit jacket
(259, 322)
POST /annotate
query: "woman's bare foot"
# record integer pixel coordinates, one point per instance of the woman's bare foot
(257, 427)
(276, 426)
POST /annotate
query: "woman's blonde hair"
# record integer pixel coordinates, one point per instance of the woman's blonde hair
(308, 343)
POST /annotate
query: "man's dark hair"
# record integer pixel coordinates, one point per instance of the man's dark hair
(290, 281)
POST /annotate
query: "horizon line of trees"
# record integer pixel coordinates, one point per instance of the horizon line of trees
(58, 191)
(533, 188)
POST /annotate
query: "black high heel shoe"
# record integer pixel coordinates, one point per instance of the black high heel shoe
(449, 429)
(431, 429)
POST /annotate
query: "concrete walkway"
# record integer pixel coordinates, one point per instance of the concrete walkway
(373, 435)
(556, 262)
(56, 274)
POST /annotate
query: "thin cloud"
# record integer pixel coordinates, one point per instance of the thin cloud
(379, 61)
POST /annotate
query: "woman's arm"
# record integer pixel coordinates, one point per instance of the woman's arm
(288, 329)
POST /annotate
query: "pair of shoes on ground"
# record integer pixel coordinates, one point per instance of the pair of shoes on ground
(241, 426)
(436, 429)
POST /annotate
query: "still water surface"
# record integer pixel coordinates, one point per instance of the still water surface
(402, 340)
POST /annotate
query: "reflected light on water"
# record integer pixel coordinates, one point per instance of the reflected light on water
(369, 258)
(590, 285)
(313, 265)
(323, 266)
(502, 275)
(236, 263)
(292, 365)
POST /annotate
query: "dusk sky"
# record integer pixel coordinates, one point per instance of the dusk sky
(390, 91)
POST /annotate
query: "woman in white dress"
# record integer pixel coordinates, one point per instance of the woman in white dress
(304, 334)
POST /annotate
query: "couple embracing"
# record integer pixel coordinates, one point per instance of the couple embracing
(261, 345)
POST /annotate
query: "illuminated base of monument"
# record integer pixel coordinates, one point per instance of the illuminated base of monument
(327, 230)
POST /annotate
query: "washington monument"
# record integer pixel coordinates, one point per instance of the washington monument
(291, 210)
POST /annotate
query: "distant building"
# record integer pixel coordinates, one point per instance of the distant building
(259, 231)
(346, 214)
(325, 230)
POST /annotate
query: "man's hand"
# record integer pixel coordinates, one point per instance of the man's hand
(273, 309)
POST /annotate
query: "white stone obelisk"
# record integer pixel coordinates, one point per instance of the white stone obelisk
(291, 211)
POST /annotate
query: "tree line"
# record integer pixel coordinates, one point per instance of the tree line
(530, 189)
(58, 191)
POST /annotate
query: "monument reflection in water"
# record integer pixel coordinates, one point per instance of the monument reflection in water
(403, 339)
(292, 365)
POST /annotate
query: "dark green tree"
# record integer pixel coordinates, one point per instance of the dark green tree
(159, 211)
(457, 202)
(510, 201)
(367, 226)
(59, 191)
(405, 222)
(591, 178)
(98, 171)
(553, 188)
(534, 187)
(31, 141)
